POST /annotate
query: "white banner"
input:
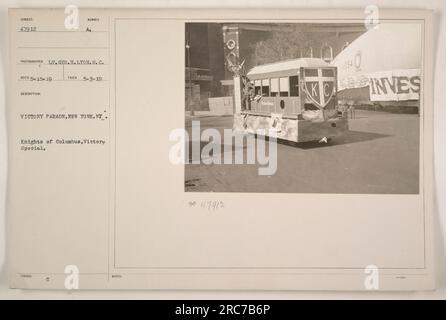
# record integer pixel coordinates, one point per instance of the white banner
(395, 85)
(353, 82)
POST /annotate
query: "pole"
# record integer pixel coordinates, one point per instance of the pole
(191, 102)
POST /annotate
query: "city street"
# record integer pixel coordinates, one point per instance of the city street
(379, 154)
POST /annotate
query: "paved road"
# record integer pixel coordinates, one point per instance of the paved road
(379, 154)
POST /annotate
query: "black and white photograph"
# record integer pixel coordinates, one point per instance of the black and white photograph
(342, 100)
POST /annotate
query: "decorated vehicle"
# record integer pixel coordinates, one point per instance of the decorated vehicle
(293, 100)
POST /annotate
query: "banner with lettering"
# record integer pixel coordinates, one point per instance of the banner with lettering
(395, 85)
(353, 82)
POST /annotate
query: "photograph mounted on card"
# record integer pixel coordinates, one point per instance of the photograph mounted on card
(220, 149)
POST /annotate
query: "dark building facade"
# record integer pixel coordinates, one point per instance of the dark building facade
(204, 64)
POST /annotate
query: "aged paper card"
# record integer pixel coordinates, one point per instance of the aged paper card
(220, 149)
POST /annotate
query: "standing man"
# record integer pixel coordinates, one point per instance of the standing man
(248, 93)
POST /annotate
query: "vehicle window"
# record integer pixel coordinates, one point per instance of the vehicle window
(274, 87)
(327, 72)
(294, 86)
(265, 87)
(257, 87)
(311, 72)
(284, 87)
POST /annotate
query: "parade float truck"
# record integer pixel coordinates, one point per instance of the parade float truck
(292, 100)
